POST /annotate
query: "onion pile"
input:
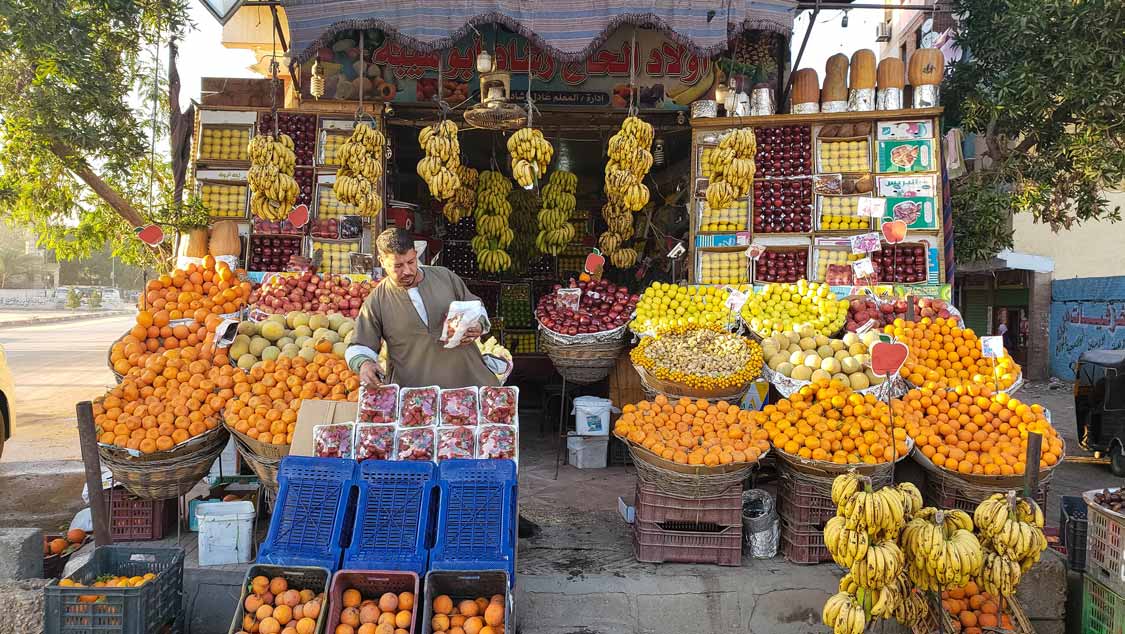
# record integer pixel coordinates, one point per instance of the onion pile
(313, 293)
(603, 306)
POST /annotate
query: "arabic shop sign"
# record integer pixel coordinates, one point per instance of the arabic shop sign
(668, 75)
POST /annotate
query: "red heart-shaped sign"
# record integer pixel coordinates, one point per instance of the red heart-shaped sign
(299, 217)
(887, 358)
(894, 231)
(151, 235)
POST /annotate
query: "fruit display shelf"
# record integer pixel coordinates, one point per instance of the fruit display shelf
(336, 254)
(783, 151)
(843, 155)
(459, 257)
(520, 342)
(272, 252)
(733, 217)
(782, 263)
(327, 204)
(840, 213)
(267, 228)
(515, 305)
(224, 143)
(832, 262)
(783, 206)
(299, 127)
(722, 266)
(224, 200)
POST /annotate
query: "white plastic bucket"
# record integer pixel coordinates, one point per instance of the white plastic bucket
(591, 415)
(226, 531)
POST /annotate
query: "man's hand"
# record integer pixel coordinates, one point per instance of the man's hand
(471, 335)
(369, 374)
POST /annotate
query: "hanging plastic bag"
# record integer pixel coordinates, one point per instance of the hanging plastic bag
(461, 317)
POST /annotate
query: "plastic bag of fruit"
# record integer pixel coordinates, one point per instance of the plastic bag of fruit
(418, 406)
(459, 407)
(456, 442)
(415, 443)
(461, 317)
(334, 440)
(378, 404)
(497, 442)
(499, 405)
(374, 441)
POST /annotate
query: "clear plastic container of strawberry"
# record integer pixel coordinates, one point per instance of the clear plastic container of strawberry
(497, 442)
(419, 406)
(415, 443)
(378, 404)
(333, 441)
(459, 407)
(499, 405)
(456, 442)
(374, 441)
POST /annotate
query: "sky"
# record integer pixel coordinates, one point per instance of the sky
(829, 37)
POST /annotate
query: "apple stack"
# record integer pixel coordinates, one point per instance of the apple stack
(583, 327)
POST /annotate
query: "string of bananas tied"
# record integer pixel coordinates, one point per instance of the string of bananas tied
(493, 233)
(1011, 531)
(732, 168)
(555, 230)
(531, 154)
(630, 159)
(361, 161)
(439, 167)
(465, 199)
(272, 165)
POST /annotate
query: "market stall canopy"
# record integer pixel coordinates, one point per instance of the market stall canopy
(569, 29)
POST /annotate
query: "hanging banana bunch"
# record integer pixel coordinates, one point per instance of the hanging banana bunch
(731, 166)
(630, 159)
(555, 230)
(493, 233)
(272, 164)
(525, 206)
(361, 167)
(439, 168)
(463, 202)
(531, 154)
(619, 221)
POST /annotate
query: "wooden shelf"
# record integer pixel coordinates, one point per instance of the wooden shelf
(816, 118)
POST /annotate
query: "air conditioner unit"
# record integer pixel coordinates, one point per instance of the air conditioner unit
(883, 32)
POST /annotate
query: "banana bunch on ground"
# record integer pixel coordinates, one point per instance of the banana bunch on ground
(439, 168)
(630, 159)
(361, 167)
(942, 551)
(493, 233)
(732, 168)
(272, 164)
(524, 222)
(1011, 531)
(557, 200)
(531, 154)
(463, 202)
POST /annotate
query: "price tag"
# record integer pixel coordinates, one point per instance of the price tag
(868, 325)
(992, 347)
(736, 299)
(871, 207)
(866, 243)
(677, 251)
(863, 268)
(755, 251)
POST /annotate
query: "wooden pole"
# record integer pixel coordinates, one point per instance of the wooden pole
(88, 442)
(1031, 464)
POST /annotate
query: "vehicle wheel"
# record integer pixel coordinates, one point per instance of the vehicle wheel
(1117, 461)
(3, 426)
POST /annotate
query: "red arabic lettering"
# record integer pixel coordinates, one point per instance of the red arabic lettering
(574, 73)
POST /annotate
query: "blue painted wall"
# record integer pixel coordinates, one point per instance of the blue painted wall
(1086, 314)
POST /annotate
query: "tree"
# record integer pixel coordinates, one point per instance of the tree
(74, 148)
(1041, 82)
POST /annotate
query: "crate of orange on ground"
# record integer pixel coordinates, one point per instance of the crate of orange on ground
(691, 447)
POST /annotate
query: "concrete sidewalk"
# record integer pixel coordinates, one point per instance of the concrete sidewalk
(16, 318)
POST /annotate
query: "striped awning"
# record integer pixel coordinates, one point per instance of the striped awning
(569, 29)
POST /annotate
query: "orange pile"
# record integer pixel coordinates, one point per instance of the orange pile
(390, 614)
(174, 396)
(973, 611)
(469, 616)
(272, 607)
(829, 422)
(107, 581)
(943, 354)
(692, 432)
(199, 293)
(265, 401)
(972, 429)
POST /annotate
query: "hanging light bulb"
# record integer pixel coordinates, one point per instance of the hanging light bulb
(316, 83)
(485, 63)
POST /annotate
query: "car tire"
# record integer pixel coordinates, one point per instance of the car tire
(1117, 461)
(3, 427)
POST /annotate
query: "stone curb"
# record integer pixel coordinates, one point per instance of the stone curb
(39, 321)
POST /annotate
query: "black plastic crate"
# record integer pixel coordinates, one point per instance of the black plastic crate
(1072, 528)
(145, 609)
(619, 455)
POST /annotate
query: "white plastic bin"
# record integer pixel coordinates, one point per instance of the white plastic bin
(591, 416)
(226, 531)
(587, 452)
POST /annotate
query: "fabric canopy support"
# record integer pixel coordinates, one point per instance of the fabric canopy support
(569, 29)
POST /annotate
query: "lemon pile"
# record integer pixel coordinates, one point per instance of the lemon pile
(780, 307)
(663, 306)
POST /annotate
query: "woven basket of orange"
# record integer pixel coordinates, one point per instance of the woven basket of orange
(971, 610)
(825, 429)
(691, 447)
(942, 354)
(977, 434)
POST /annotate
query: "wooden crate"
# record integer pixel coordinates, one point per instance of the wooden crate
(624, 383)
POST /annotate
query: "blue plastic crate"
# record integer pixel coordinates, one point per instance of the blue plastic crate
(477, 516)
(309, 515)
(394, 516)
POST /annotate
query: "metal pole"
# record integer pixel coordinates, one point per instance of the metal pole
(88, 442)
(800, 54)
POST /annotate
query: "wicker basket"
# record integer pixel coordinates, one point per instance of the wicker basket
(938, 620)
(165, 474)
(261, 450)
(674, 390)
(825, 469)
(688, 480)
(582, 363)
(265, 468)
(997, 482)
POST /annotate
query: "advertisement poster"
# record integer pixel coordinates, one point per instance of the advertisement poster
(668, 75)
(918, 212)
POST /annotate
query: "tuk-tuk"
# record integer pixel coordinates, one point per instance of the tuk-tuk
(1099, 404)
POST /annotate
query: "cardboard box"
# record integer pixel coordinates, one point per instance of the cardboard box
(314, 413)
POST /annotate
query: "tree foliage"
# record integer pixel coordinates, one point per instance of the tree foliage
(76, 116)
(1041, 82)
